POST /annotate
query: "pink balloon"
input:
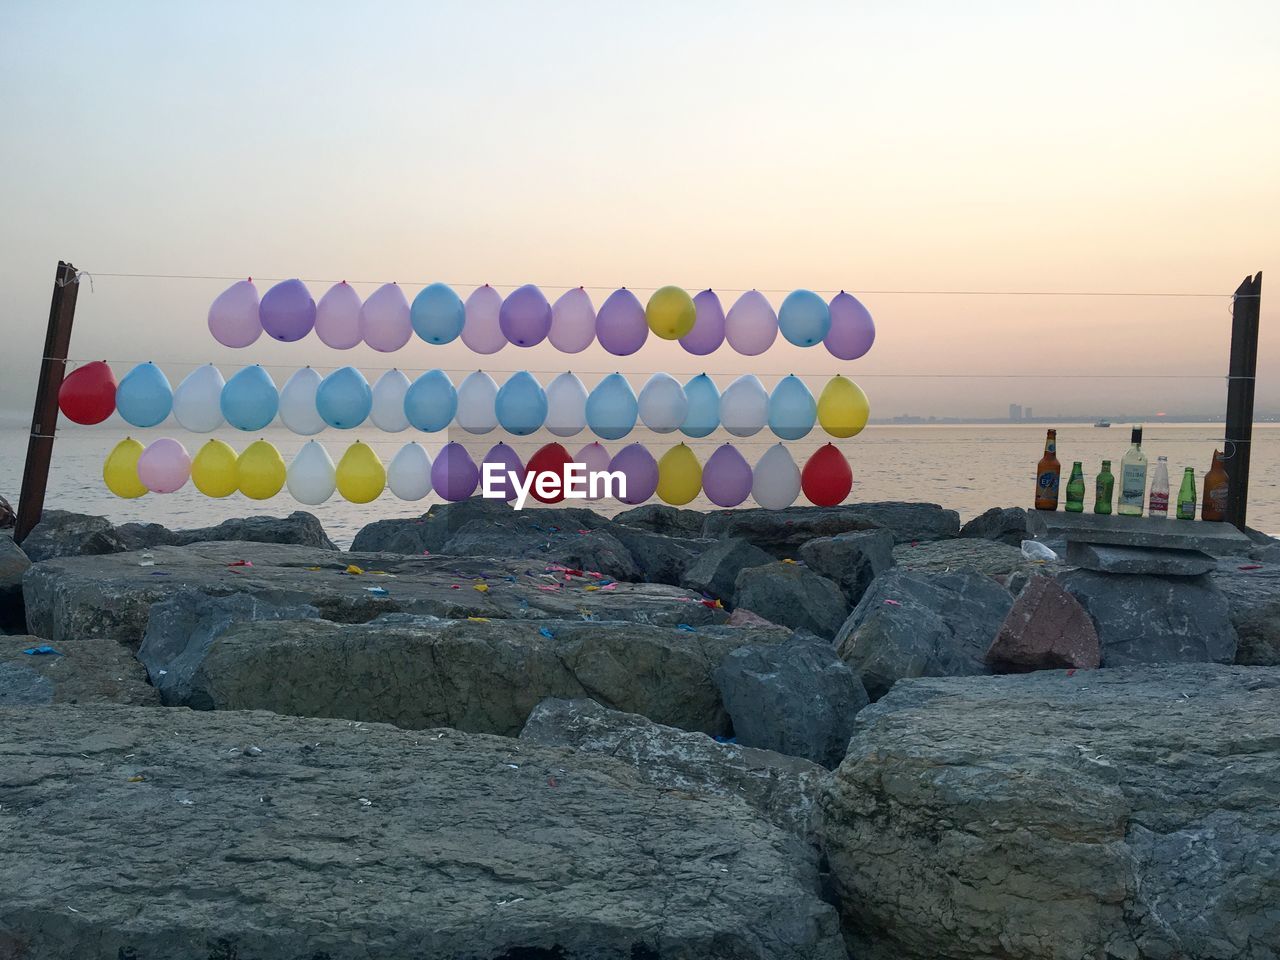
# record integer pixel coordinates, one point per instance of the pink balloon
(573, 322)
(482, 329)
(852, 329)
(338, 317)
(621, 327)
(726, 477)
(233, 315)
(595, 458)
(751, 326)
(454, 475)
(384, 319)
(641, 470)
(165, 466)
(506, 459)
(708, 329)
(525, 316)
(287, 311)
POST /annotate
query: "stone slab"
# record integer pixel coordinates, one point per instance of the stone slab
(82, 671)
(1101, 558)
(1218, 539)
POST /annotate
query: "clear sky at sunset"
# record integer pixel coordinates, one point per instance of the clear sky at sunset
(867, 146)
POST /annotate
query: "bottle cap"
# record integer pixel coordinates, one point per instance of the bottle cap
(1136, 435)
(1163, 458)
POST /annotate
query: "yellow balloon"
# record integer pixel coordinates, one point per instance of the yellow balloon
(843, 408)
(361, 476)
(670, 313)
(260, 471)
(120, 469)
(213, 470)
(679, 476)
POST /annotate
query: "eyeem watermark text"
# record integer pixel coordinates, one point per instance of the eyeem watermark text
(575, 484)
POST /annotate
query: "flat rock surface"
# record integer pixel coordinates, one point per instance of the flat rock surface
(111, 596)
(969, 553)
(1142, 560)
(1121, 813)
(133, 833)
(82, 671)
(1214, 538)
(783, 532)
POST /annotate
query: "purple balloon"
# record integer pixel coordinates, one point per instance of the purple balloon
(621, 326)
(726, 477)
(641, 470)
(852, 330)
(594, 457)
(509, 463)
(573, 322)
(287, 311)
(525, 316)
(454, 475)
(708, 329)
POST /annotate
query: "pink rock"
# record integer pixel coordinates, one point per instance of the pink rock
(745, 618)
(1046, 629)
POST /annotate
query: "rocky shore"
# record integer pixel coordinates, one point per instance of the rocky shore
(849, 732)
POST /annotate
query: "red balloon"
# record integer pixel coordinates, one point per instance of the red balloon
(549, 459)
(88, 393)
(826, 478)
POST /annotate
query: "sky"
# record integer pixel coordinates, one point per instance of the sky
(902, 151)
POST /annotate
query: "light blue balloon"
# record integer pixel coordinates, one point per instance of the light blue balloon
(144, 397)
(704, 407)
(344, 398)
(521, 405)
(437, 313)
(431, 401)
(804, 318)
(250, 399)
(612, 408)
(792, 409)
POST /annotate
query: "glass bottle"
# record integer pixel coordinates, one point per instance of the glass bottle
(1216, 486)
(1075, 489)
(1158, 505)
(1133, 478)
(1187, 495)
(1104, 487)
(1048, 473)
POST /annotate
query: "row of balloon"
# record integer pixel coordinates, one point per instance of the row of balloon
(486, 322)
(259, 472)
(344, 399)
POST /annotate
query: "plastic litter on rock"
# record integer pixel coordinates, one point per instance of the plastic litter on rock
(353, 570)
(685, 627)
(241, 563)
(478, 619)
(894, 603)
(379, 591)
(1036, 551)
(44, 650)
(546, 633)
(482, 587)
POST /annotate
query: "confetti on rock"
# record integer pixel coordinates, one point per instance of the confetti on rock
(354, 571)
(482, 587)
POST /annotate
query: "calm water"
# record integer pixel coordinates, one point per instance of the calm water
(965, 467)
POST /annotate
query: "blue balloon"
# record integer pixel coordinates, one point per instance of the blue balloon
(431, 401)
(250, 399)
(704, 407)
(144, 396)
(344, 398)
(437, 314)
(792, 409)
(612, 407)
(521, 405)
(804, 318)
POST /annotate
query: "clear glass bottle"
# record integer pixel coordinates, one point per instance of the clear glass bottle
(1158, 505)
(1133, 478)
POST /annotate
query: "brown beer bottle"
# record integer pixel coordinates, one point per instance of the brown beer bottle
(1048, 473)
(1213, 506)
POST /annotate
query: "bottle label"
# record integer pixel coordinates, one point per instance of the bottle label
(1218, 497)
(1048, 482)
(1159, 502)
(1133, 484)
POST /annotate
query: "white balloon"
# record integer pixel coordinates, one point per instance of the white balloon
(481, 331)
(409, 472)
(197, 403)
(388, 402)
(566, 405)
(744, 406)
(663, 404)
(775, 481)
(477, 395)
(298, 403)
(311, 476)
(338, 317)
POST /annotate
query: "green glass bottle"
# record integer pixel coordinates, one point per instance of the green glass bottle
(1075, 489)
(1187, 495)
(1105, 487)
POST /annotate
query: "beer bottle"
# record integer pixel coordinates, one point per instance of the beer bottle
(1075, 489)
(1158, 505)
(1048, 472)
(1105, 486)
(1216, 486)
(1187, 495)
(1133, 478)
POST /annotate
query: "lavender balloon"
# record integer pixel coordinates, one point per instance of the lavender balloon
(573, 322)
(852, 330)
(338, 317)
(233, 316)
(726, 477)
(621, 326)
(708, 329)
(287, 311)
(594, 457)
(481, 330)
(751, 326)
(525, 316)
(384, 319)
(640, 469)
(164, 466)
(454, 475)
(508, 463)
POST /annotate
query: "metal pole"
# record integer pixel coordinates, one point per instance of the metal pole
(1245, 307)
(44, 419)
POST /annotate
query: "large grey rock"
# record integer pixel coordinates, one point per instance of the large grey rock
(1126, 813)
(716, 570)
(1139, 560)
(172, 834)
(300, 528)
(796, 698)
(782, 789)
(1155, 619)
(660, 518)
(82, 671)
(483, 677)
(783, 532)
(918, 624)
(61, 533)
(112, 596)
(428, 534)
(598, 552)
(792, 595)
(1004, 524)
(181, 629)
(13, 565)
(660, 558)
(1216, 539)
(973, 554)
(1253, 601)
(852, 560)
